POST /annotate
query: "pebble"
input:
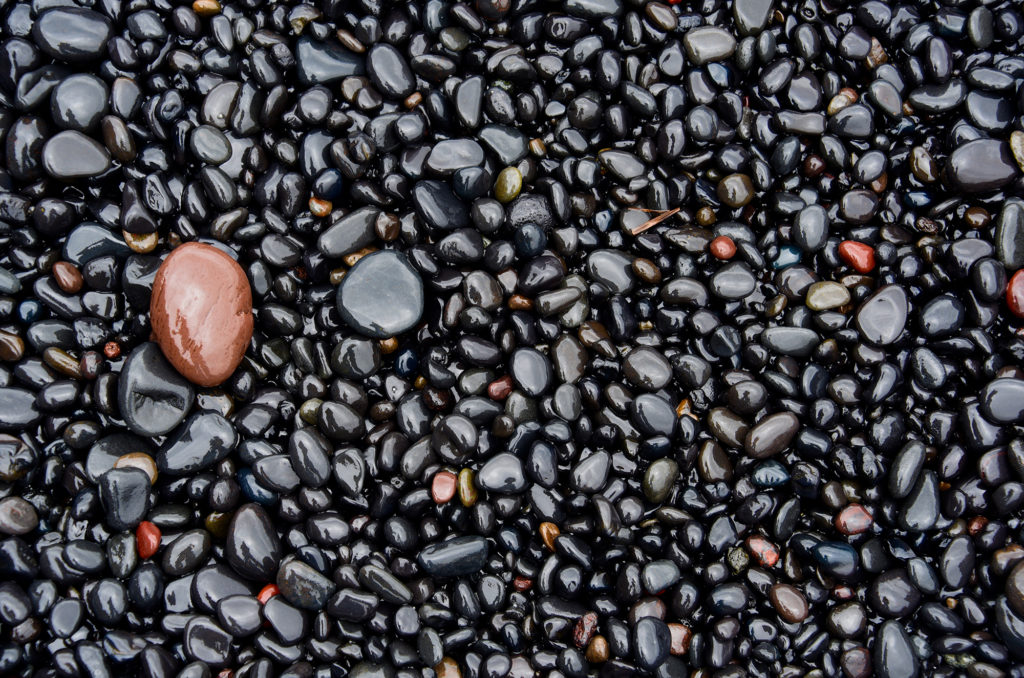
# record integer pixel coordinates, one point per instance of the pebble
(70, 155)
(17, 516)
(124, 493)
(194, 284)
(253, 547)
(456, 557)
(72, 34)
(882, 316)
(152, 398)
(381, 296)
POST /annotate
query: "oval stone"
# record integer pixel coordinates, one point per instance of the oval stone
(201, 312)
(381, 296)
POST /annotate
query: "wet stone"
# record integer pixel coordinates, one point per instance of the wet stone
(79, 101)
(708, 44)
(201, 311)
(17, 516)
(303, 586)
(882, 316)
(203, 440)
(382, 295)
(253, 548)
(323, 63)
(71, 155)
(503, 473)
(72, 34)
(125, 496)
(455, 557)
(152, 398)
(982, 165)
(646, 368)
(389, 71)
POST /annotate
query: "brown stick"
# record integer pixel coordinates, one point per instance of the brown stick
(651, 223)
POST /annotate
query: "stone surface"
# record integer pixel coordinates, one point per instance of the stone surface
(201, 312)
(382, 295)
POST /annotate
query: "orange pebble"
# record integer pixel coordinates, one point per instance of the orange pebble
(858, 255)
(723, 247)
(112, 350)
(147, 539)
(267, 592)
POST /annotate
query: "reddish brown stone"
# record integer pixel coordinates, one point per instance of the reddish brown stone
(67, 276)
(147, 539)
(789, 602)
(723, 247)
(856, 663)
(585, 628)
(201, 312)
(522, 584)
(112, 350)
(681, 635)
(859, 256)
(442, 489)
(500, 388)
(1015, 294)
(854, 519)
(266, 593)
(764, 552)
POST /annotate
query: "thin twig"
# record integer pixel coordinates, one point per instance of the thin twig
(651, 223)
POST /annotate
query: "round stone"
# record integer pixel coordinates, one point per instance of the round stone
(382, 295)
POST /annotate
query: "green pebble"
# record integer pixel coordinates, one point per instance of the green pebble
(508, 185)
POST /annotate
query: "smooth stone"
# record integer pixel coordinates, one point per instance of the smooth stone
(201, 312)
(253, 548)
(72, 34)
(350, 233)
(611, 268)
(321, 63)
(203, 440)
(591, 474)
(17, 516)
(982, 165)
(71, 155)
(882, 316)
(240, 615)
(531, 370)
(893, 654)
(791, 341)
(389, 71)
(89, 241)
(382, 295)
(207, 642)
(303, 586)
(456, 557)
(79, 101)
(187, 553)
(507, 143)
(659, 479)
(825, 295)
(733, 281)
(652, 641)
(1002, 400)
(125, 496)
(210, 144)
(1010, 627)
(646, 368)
(921, 508)
(152, 398)
(502, 473)
(789, 602)
(17, 409)
(771, 435)
(708, 43)
(751, 15)
(1009, 235)
(438, 206)
(450, 155)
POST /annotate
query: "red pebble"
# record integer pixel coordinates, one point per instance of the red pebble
(147, 539)
(586, 627)
(1015, 294)
(854, 519)
(267, 592)
(764, 552)
(112, 350)
(723, 247)
(859, 256)
(500, 388)
(522, 584)
(442, 489)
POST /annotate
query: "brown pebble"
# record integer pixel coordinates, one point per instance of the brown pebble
(320, 207)
(854, 519)
(499, 389)
(389, 345)
(142, 243)
(63, 362)
(201, 312)
(350, 41)
(12, 347)
(977, 217)
(681, 635)
(856, 663)
(584, 629)
(722, 247)
(68, 277)
(597, 650)
(548, 533)
(448, 668)
(139, 460)
(647, 270)
(206, 8)
(814, 165)
(353, 257)
(112, 350)
(706, 216)
(789, 602)
(387, 226)
(413, 100)
(518, 302)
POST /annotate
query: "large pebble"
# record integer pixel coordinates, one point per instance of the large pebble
(72, 33)
(382, 295)
(151, 396)
(201, 313)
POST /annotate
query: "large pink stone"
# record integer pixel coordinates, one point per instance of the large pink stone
(201, 312)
